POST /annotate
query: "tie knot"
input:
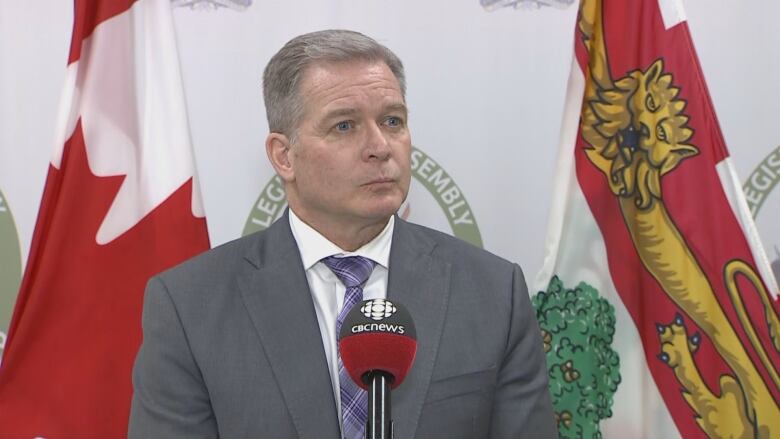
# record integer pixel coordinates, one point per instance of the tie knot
(352, 271)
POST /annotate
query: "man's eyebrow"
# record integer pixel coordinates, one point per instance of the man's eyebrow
(398, 107)
(349, 111)
(340, 112)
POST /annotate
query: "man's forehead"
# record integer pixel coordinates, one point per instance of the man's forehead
(344, 72)
(339, 86)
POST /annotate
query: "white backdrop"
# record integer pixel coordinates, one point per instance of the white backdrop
(485, 90)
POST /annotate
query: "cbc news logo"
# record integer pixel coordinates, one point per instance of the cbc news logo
(378, 309)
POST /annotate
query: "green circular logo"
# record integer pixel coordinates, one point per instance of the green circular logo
(10, 267)
(438, 183)
(757, 188)
(762, 180)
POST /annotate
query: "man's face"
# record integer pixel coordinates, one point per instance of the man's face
(350, 160)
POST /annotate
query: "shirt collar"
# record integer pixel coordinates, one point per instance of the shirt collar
(313, 246)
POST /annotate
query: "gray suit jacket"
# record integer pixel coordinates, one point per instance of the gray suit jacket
(232, 348)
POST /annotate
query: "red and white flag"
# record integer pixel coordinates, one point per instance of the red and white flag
(657, 303)
(121, 203)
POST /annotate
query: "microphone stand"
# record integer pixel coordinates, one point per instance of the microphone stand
(379, 425)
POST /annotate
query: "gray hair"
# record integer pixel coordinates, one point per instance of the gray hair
(282, 75)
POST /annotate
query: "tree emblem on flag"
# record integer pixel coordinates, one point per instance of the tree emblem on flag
(578, 326)
(635, 130)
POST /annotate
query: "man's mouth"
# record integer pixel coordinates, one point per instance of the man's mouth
(380, 181)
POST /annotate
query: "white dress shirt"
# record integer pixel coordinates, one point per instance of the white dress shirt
(327, 291)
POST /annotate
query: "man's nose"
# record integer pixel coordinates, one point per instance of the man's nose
(377, 145)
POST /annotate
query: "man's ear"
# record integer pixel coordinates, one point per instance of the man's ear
(277, 146)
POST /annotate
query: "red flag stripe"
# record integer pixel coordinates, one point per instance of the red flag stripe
(88, 14)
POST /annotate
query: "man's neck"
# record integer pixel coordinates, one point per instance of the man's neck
(348, 237)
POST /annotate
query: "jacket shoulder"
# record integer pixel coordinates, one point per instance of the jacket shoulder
(216, 269)
(454, 249)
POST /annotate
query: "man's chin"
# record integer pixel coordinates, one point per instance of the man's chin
(383, 211)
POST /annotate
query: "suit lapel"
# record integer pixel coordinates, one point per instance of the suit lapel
(279, 303)
(420, 281)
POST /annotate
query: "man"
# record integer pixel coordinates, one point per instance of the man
(241, 342)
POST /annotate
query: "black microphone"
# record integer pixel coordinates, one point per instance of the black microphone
(378, 343)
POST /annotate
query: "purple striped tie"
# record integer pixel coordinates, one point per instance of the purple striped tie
(353, 271)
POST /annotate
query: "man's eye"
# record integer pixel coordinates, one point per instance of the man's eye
(343, 126)
(394, 121)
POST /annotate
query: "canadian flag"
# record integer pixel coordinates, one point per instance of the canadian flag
(121, 203)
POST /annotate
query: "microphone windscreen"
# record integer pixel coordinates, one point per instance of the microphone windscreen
(378, 335)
